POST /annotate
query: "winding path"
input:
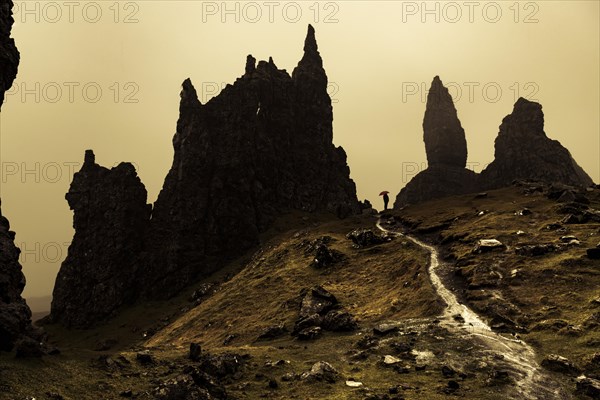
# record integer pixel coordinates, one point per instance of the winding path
(531, 381)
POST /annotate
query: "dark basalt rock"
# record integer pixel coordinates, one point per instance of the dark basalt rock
(443, 134)
(446, 149)
(523, 151)
(9, 55)
(260, 148)
(15, 315)
(110, 218)
(435, 182)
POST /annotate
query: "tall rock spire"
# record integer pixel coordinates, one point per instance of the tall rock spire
(443, 134)
(310, 67)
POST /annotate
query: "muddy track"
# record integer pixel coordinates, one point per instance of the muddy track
(531, 381)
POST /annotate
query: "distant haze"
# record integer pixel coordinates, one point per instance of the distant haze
(107, 76)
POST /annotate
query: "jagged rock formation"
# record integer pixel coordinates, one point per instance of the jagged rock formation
(443, 134)
(523, 151)
(110, 218)
(15, 316)
(9, 55)
(261, 147)
(16, 329)
(446, 149)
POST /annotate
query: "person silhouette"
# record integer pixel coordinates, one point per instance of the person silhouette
(386, 199)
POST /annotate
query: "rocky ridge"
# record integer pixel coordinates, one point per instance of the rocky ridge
(522, 152)
(262, 147)
(15, 316)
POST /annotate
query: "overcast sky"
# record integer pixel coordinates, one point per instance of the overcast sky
(106, 75)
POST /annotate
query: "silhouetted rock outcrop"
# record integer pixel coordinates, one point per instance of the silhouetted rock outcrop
(443, 134)
(446, 149)
(110, 218)
(9, 55)
(15, 315)
(523, 151)
(262, 147)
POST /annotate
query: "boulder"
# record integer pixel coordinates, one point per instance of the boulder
(321, 371)
(588, 387)
(317, 301)
(557, 363)
(487, 245)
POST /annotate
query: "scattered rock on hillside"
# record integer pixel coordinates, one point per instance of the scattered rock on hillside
(588, 387)
(273, 332)
(339, 321)
(486, 245)
(321, 310)
(561, 364)
(325, 257)
(363, 237)
(321, 371)
(317, 301)
(534, 250)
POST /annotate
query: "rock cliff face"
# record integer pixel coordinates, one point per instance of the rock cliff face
(110, 218)
(446, 149)
(523, 151)
(15, 316)
(9, 55)
(261, 147)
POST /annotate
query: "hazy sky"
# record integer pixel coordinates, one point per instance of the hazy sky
(106, 75)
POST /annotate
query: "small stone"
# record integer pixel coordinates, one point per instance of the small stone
(353, 384)
(386, 327)
(486, 245)
(390, 360)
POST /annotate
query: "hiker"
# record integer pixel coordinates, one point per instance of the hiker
(386, 199)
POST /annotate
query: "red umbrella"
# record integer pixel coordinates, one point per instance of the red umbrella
(384, 192)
